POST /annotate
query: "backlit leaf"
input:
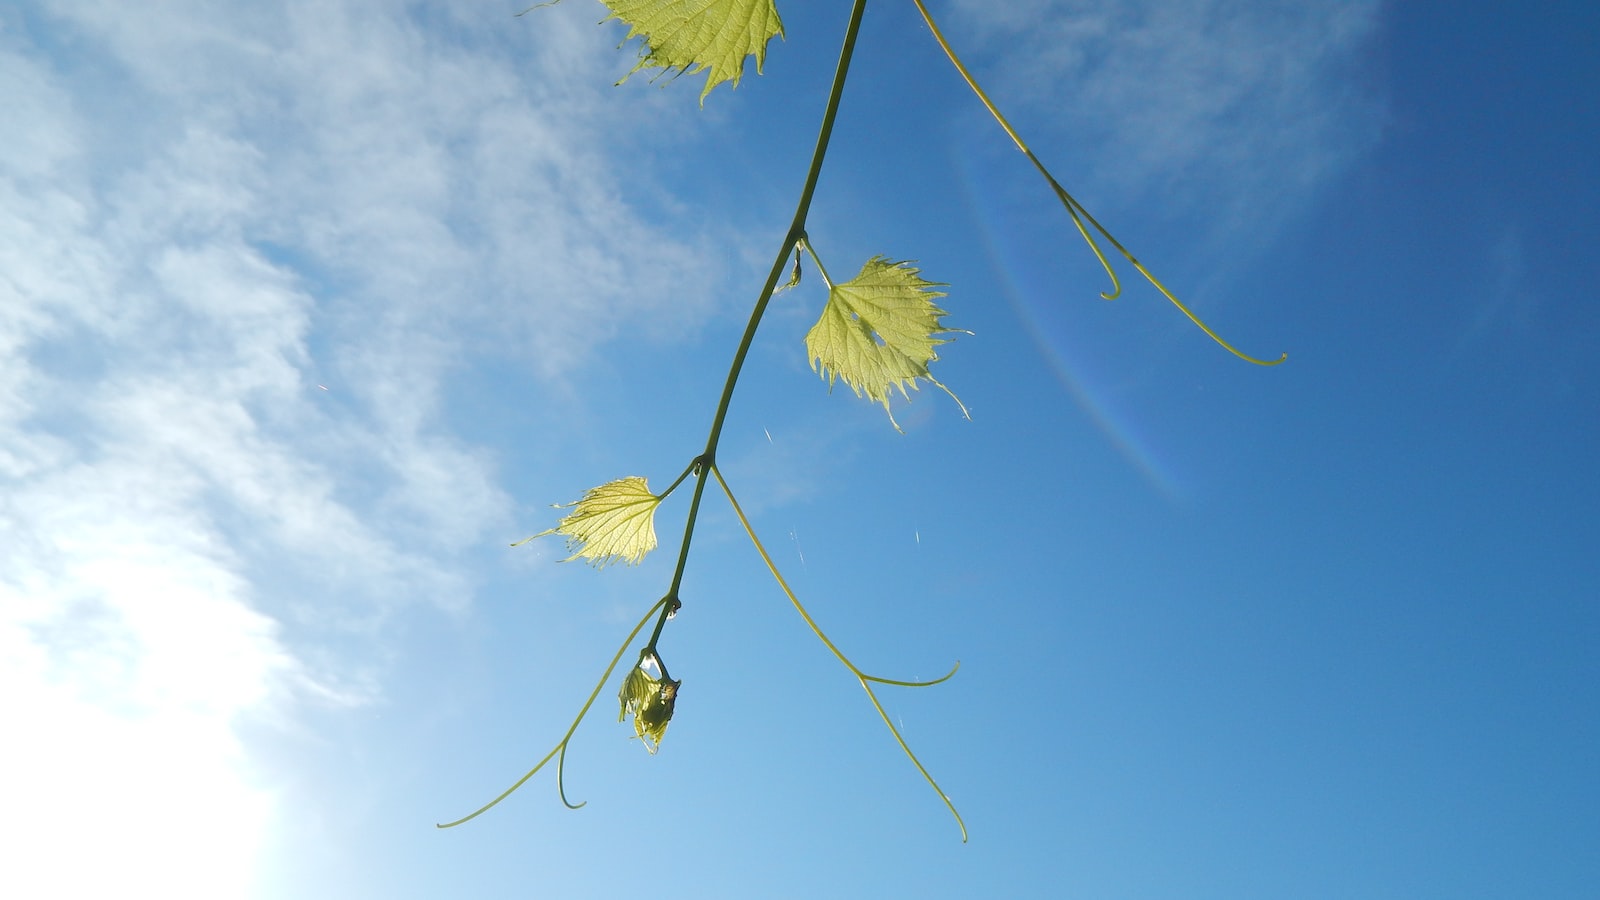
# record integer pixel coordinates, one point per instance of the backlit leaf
(615, 521)
(878, 331)
(691, 36)
(650, 700)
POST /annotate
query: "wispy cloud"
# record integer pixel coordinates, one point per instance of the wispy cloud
(243, 248)
(1234, 108)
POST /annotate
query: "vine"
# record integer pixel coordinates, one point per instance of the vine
(878, 332)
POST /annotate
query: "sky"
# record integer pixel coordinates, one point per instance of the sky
(309, 310)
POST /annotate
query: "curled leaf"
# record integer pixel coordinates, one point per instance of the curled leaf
(699, 35)
(612, 522)
(650, 700)
(878, 332)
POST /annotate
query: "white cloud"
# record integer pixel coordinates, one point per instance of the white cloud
(128, 649)
(242, 250)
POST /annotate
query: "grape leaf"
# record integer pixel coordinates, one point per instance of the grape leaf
(699, 35)
(615, 521)
(878, 331)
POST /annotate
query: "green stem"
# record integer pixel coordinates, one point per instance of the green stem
(797, 229)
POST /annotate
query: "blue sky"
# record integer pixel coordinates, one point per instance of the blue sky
(308, 310)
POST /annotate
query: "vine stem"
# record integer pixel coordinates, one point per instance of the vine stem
(797, 230)
(669, 604)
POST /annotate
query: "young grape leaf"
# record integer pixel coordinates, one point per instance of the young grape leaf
(698, 35)
(615, 521)
(878, 331)
(650, 700)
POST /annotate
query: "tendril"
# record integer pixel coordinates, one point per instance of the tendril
(1075, 209)
(560, 749)
(862, 677)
